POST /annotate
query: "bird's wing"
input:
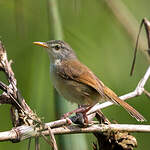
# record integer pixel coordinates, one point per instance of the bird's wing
(78, 72)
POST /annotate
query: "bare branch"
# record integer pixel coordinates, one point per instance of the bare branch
(101, 128)
(147, 93)
(52, 138)
(12, 95)
(24, 132)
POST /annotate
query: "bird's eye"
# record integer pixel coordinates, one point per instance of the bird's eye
(57, 47)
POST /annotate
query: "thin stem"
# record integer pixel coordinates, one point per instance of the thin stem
(37, 145)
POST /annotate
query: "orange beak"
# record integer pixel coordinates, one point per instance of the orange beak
(43, 44)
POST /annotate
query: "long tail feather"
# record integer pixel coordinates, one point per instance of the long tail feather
(134, 113)
(115, 99)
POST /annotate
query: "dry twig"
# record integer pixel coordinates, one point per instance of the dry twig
(52, 138)
(21, 113)
(24, 132)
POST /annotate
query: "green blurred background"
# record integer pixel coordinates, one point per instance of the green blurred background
(100, 42)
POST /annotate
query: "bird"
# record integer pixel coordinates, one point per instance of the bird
(76, 82)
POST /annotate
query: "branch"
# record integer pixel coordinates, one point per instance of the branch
(24, 132)
(52, 138)
(21, 113)
(147, 93)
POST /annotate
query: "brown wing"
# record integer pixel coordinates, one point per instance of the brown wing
(76, 71)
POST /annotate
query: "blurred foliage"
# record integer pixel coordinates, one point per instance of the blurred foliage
(99, 41)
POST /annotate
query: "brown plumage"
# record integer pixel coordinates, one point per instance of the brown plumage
(77, 72)
(76, 82)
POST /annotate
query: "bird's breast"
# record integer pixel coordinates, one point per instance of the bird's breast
(73, 91)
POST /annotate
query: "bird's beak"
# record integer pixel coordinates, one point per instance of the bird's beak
(43, 44)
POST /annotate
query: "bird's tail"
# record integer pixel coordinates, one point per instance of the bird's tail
(134, 113)
(113, 97)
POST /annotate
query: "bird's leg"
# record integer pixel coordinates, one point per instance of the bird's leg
(78, 110)
(84, 111)
(102, 118)
(81, 113)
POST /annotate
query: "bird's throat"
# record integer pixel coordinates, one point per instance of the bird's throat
(57, 62)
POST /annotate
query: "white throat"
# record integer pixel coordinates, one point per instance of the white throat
(57, 62)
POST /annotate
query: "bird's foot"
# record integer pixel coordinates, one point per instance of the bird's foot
(80, 118)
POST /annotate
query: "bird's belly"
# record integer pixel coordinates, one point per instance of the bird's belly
(74, 91)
